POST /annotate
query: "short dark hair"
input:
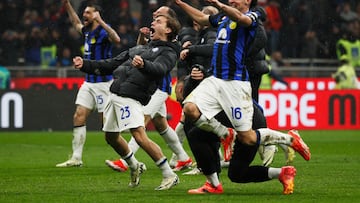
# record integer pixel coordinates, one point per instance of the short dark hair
(253, 3)
(172, 13)
(174, 25)
(96, 7)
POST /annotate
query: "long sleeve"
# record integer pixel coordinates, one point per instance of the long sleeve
(106, 66)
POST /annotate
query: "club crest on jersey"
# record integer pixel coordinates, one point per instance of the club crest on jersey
(233, 25)
(155, 49)
(93, 40)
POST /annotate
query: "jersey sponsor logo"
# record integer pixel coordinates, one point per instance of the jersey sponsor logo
(222, 37)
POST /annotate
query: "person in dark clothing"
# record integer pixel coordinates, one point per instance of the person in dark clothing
(155, 111)
(136, 73)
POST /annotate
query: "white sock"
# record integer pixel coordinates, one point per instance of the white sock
(212, 125)
(133, 145)
(78, 141)
(270, 137)
(284, 147)
(164, 167)
(221, 154)
(174, 144)
(131, 160)
(180, 132)
(213, 179)
(274, 173)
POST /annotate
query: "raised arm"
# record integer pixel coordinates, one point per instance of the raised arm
(236, 14)
(113, 36)
(233, 13)
(143, 34)
(74, 18)
(194, 13)
(100, 67)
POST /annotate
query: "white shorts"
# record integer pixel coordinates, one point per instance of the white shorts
(122, 113)
(213, 95)
(93, 95)
(156, 105)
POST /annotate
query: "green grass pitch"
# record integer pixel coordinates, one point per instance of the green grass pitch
(28, 173)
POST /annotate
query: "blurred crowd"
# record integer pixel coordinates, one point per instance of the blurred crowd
(295, 28)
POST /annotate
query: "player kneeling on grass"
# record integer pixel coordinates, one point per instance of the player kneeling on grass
(229, 90)
(136, 73)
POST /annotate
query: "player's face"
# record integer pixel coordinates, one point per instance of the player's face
(87, 16)
(159, 29)
(241, 5)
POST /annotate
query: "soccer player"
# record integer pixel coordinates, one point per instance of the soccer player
(229, 89)
(194, 65)
(136, 73)
(94, 92)
(155, 111)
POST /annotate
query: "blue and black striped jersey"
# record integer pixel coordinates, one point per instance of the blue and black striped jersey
(230, 48)
(165, 84)
(97, 46)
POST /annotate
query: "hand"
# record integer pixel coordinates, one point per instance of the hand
(179, 89)
(78, 62)
(66, 3)
(178, 2)
(196, 74)
(186, 44)
(183, 54)
(96, 16)
(137, 62)
(144, 30)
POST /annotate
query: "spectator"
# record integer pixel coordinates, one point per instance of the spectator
(32, 47)
(357, 10)
(311, 45)
(290, 38)
(9, 45)
(345, 76)
(64, 59)
(347, 14)
(3, 20)
(127, 39)
(304, 18)
(273, 25)
(349, 44)
(74, 42)
(12, 14)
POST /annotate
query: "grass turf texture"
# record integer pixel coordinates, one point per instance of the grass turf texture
(28, 173)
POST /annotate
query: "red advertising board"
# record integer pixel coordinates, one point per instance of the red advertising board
(329, 109)
(307, 103)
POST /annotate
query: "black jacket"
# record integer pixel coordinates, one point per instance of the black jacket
(139, 84)
(200, 54)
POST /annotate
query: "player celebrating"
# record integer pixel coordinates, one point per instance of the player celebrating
(136, 73)
(94, 91)
(155, 110)
(229, 89)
